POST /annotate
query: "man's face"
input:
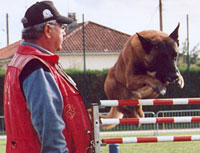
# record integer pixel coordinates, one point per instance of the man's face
(57, 34)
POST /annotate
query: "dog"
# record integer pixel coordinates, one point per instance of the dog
(145, 66)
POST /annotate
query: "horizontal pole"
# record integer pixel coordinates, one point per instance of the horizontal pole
(150, 139)
(151, 120)
(150, 102)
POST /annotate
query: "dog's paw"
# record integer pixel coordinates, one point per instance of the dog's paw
(157, 86)
(180, 81)
(161, 89)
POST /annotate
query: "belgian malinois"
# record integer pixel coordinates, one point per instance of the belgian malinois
(145, 66)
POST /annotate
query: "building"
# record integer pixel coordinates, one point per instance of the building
(102, 46)
(7, 53)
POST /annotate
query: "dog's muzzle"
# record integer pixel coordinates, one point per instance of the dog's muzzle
(172, 77)
(176, 78)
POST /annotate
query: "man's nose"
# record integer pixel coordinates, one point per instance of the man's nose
(63, 32)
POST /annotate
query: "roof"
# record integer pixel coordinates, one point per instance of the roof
(98, 38)
(9, 51)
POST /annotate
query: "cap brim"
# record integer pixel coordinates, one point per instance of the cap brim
(64, 20)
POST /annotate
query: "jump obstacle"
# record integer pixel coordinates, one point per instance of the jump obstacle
(142, 102)
(150, 102)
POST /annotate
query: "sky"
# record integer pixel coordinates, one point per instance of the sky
(127, 16)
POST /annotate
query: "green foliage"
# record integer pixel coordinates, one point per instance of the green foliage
(2, 73)
(90, 88)
(93, 87)
(193, 54)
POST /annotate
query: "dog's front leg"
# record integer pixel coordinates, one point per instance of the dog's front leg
(136, 82)
(146, 92)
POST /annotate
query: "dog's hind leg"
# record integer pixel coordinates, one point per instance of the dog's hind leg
(145, 92)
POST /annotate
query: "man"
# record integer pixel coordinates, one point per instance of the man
(44, 112)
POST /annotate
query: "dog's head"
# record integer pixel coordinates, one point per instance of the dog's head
(161, 56)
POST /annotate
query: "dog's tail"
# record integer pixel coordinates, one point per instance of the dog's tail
(113, 113)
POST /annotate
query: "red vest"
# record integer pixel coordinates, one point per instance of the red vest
(21, 135)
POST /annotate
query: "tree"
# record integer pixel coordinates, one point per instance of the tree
(194, 54)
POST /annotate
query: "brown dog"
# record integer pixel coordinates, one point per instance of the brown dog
(144, 68)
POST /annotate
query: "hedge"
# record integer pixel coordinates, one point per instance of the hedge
(1, 91)
(93, 88)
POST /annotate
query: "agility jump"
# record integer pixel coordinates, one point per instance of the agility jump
(150, 102)
(188, 119)
(150, 139)
(144, 102)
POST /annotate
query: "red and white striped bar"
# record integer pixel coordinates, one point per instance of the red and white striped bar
(150, 102)
(185, 119)
(150, 139)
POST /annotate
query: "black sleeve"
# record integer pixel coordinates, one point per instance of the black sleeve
(30, 67)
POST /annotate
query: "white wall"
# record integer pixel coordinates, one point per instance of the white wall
(97, 61)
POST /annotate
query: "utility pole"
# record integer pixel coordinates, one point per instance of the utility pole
(188, 54)
(7, 28)
(160, 12)
(84, 62)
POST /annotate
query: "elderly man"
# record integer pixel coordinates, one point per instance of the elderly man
(44, 112)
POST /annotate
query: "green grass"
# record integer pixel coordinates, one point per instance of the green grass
(2, 145)
(162, 147)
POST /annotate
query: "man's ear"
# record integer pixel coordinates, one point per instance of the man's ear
(174, 34)
(47, 30)
(147, 44)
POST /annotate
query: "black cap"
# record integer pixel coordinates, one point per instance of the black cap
(42, 12)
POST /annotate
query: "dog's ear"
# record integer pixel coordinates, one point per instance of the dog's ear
(147, 44)
(174, 34)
